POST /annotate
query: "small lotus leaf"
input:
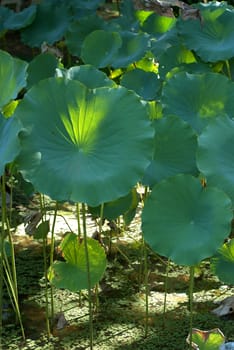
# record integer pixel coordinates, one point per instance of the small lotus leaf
(72, 274)
(133, 48)
(108, 44)
(145, 84)
(78, 31)
(184, 221)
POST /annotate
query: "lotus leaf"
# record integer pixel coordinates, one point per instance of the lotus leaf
(88, 75)
(223, 263)
(72, 274)
(12, 77)
(145, 84)
(215, 155)
(50, 23)
(184, 221)
(175, 146)
(9, 144)
(198, 98)
(83, 145)
(211, 37)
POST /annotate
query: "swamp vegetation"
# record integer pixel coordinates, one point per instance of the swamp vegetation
(117, 181)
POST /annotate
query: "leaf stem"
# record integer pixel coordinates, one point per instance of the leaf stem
(191, 287)
(88, 278)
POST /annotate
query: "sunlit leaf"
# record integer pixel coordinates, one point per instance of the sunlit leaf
(223, 263)
(207, 340)
(83, 145)
(72, 274)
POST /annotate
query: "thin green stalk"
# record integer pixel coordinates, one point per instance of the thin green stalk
(46, 287)
(42, 208)
(78, 220)
(146, 287)
(88, 278)
(13, 293)
(228, 69)
(52, 245)
(79, 234)
(3, 193)
(165, 292)
(100, 234)
(191, 287)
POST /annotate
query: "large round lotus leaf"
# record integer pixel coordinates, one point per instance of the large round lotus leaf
(18, 20)
(49, 25)
(133, 48)
(12, 77)
(108, 44)
(223, 263)
(212, 36)
(78, 31)
(145, 84)
(41, 67)
(83, 145)
(184, 221)
(197, 98)
(9, 142)
(215, 156)
(87, 75)
(72, 274)
(175, 146)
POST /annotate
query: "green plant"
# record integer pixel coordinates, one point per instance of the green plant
(153, 105)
